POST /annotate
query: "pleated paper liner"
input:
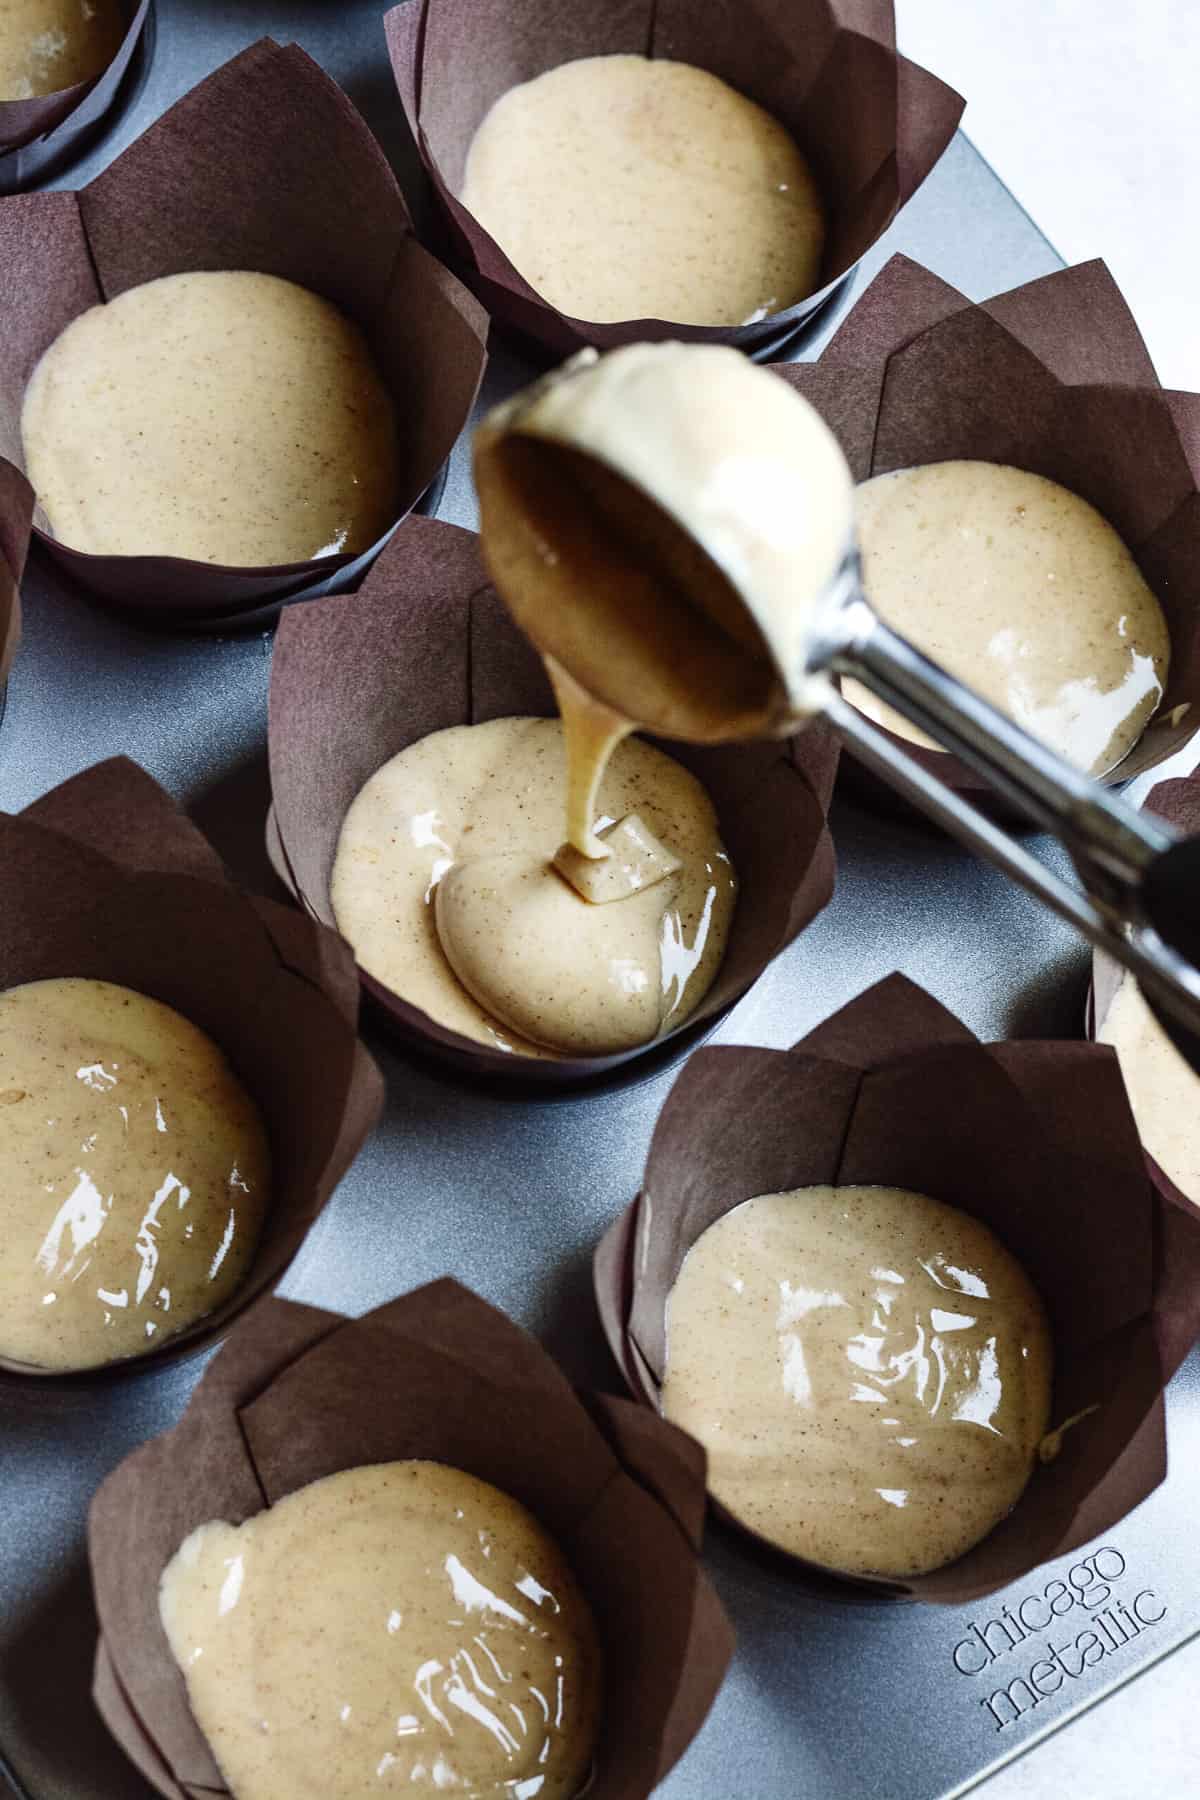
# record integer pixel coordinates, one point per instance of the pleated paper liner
(36, 136)
(16, 517)
(872, 123)
(105, 878)
(1178, 802)
(425, 644)
(298, 1394)
(1035, 1139)
(1052, 377)
(225, 179)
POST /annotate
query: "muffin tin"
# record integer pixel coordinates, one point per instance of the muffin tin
(826, 1696)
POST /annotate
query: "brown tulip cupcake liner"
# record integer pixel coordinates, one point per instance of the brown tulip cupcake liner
(298, 1394)
(1036, 1140)
(1178, 802)
(16, 519)
(104, 878)
(872, 123)
(37, 135)
(425, 644)
(1052, 377)
(225, 180)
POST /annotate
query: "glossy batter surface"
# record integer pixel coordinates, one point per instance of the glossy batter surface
(134, 1174)
(397, 1629)
(1023, 591)
(226, 416)
(47, 45)
(1163, 1090)
(442, 883)
(869, 1370)
(627, 188)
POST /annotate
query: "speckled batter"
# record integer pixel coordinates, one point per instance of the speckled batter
(1023, 591)
(47, 45)
(469, 819)
(402, 1628)
(226, 416)
(1164, 1092)
(628, 188)
(869, 1370)
(134, 1174)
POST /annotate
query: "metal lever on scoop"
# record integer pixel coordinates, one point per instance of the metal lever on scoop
(1140, 904)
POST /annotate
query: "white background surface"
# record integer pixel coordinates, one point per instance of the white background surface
(1089, 110)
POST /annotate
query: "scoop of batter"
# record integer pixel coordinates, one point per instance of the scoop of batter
(1023, 591)
(1164, 1092)
(399, 1628)
(47, 45)
(226, 416)
(663, 522)
(868, 1369)
(443, 885)
(625, 188)
(134, 1174)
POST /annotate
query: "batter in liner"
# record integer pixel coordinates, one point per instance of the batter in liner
(868, 1369)
(1023, 591)
(48, 45)
(226, 416)
(443, 884)
(622, 187)
(134, 1174)
(402, 1628)
(1164, 1092)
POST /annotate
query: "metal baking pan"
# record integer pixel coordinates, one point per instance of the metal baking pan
(826, 1698)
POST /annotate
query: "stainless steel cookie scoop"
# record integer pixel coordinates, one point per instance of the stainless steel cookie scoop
(675, 527)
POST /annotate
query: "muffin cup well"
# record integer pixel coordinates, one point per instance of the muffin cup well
(427, 643)
(298, 1394)
(1035, 1139)
(1053, 377)
(1178, 802)
(873, 123)
(16, 517)
(225, 179)
(35, 135)
(105, 878)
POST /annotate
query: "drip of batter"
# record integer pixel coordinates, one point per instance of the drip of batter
(134, 1174)
(662, 521)
(591, 732)
(625, 188)
(443, 884)
(633, 859)
(400, 1628)
(1023, 591)
(1163, 1090)
(868, 1369)
(48, 45)
(226, 416)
